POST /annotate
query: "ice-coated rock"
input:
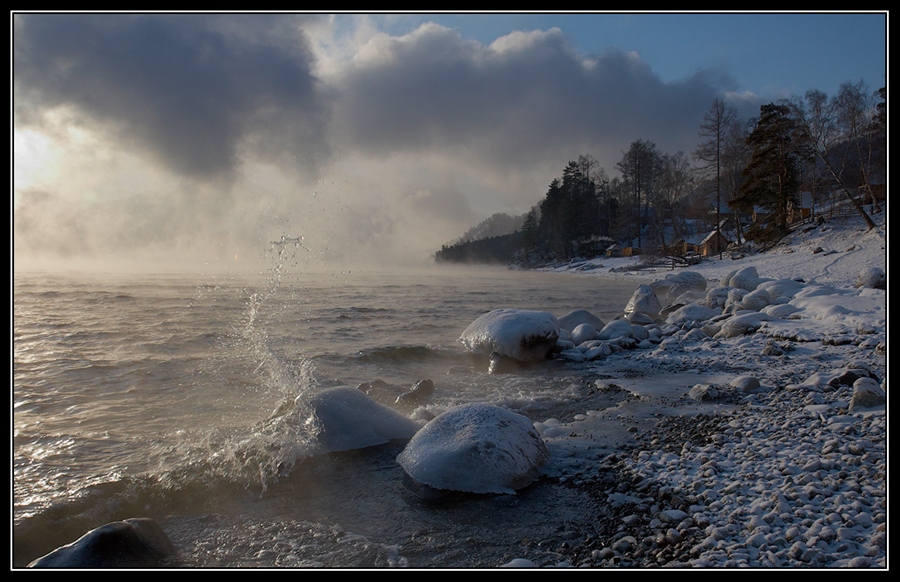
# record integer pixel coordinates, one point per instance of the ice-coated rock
(741, 324)
(475, 448)
(716, 298)
(677, 284)
(515, 333)
(755, 300)
(644, 300)
(583, 333)
(349, 419)
(575, 318)
(779, 288)
(733, 301)
(746, 278)
(780, 311)
(693, 312)
(615, 329)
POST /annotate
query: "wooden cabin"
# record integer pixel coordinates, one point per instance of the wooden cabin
(714, 243)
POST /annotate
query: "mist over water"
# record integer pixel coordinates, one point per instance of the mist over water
(182, 395)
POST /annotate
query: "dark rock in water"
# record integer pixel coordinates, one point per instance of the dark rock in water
(422, 390)
(132, 543)
(501, 364)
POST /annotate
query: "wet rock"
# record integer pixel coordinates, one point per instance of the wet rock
(131, 543)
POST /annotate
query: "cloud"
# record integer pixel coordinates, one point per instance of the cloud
(219, 133)
(194, 92)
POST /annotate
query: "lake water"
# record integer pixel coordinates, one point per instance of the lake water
(153, 396)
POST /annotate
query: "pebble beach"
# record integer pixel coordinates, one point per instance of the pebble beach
(764, 449)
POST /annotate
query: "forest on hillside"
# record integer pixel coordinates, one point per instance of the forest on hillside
(752, 170)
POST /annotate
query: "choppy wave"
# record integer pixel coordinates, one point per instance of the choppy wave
(186, 402)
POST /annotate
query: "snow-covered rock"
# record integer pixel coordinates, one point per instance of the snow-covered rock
(746, 278)
(615, 329)
(644, 300)
(515, 333)
(348, 419)
(584, 332)
(755, 300)
(677, 284)
(573, 319)
(742, 323)
(475, 448)
(693, 312)
(779, 288)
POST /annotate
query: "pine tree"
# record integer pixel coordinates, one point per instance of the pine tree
(772, 177)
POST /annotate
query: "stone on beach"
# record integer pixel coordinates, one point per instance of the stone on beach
(516, 333)
(475, 448)
(574, 318)
(678, 284)
(644, 300)
(616, 328)
(582, 333)
(872, 277)
(866, 394)
(349, 419)
(747, 279)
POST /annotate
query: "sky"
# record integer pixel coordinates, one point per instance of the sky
(168, 141)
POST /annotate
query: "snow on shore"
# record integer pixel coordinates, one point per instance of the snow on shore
(758, 449)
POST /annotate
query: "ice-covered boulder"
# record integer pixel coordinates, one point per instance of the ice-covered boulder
(349, 419)
(583, 333)
(692, 312)
(644, 300)
(575, 318)
(780, 311)
(515, 333)
(755, 300)
(475, 448)
(677, 284)
(781, 288)
(716, 297)
(742, 324)
(746, 278)
(615, 329)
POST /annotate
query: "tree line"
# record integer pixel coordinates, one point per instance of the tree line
(740, 168)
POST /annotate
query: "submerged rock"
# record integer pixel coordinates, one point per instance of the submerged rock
(422, 390)
(475, 448)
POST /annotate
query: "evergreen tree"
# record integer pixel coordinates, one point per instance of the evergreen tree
(772, 177)
(530, 230)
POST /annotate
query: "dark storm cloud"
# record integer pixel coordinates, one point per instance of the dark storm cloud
(194, 91)
(522, 98)
(390, 147)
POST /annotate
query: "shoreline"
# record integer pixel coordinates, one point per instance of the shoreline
(789, 473)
